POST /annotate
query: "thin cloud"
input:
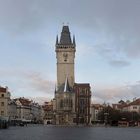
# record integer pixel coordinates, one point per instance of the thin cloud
(40, 84)
(27, 84)
(119, 63)
(115, 94)
(113, 55)
(114, 22)
(133, 50)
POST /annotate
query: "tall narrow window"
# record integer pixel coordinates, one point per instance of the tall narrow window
(61, 103)
(2, 103)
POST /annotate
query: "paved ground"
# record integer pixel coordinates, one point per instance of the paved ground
(39, 132)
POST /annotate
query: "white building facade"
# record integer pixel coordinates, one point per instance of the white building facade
(4, 100)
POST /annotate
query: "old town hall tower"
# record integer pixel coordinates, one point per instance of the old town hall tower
(64, 94)
(72, 100)
(65, 54)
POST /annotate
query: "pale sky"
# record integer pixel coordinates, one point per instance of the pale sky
(107, 53)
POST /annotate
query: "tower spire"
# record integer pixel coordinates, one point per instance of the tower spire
(55, 89)
(65, 55)
(65, 38)
(56, 39)
(74, 40)
(66, 86)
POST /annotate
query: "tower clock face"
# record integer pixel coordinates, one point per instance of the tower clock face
(65, 56)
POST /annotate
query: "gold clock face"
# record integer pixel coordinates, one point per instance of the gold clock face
(65, 55)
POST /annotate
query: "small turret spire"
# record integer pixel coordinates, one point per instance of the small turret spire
(74, 40)
(55, 89)
(56, 39)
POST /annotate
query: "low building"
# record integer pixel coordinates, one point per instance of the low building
(128, 106)
(12, 110)
(48, 112)
(133, 106)
(23, 109)
(120, 105)
(95, 110)
(28, 110)
(36, 112)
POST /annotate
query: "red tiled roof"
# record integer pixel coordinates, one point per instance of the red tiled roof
(97, 106)
(24, 102)
(2, 89)
(136, 102)
(47, 107)
(119, 106)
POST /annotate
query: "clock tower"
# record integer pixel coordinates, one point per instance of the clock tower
(64, 93)
(65, 54)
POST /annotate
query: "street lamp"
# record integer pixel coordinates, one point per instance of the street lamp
(54, 117)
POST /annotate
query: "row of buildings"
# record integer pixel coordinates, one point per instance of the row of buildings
(95, 110)
(128, 106)
(121, 106)
(27, 110)
(20, 108)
